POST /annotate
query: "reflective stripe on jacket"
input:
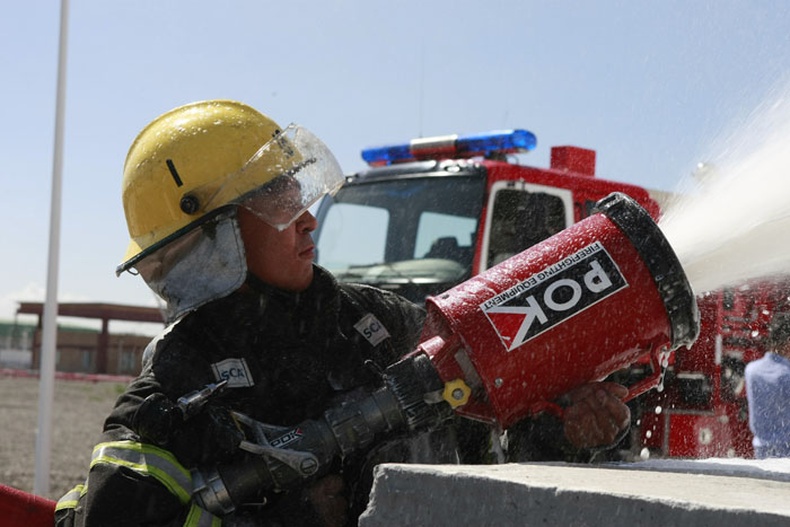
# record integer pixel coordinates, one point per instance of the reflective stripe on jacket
(147, 461)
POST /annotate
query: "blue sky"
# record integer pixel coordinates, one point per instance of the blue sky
(650, 85)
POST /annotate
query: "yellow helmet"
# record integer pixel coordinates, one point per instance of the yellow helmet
(195, 160)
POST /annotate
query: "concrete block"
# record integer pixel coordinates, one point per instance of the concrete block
(577, 496)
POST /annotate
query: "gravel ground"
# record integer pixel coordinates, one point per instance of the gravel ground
(78, 413)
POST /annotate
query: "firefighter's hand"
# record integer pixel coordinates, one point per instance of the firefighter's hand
(596, 414)
(327, 498)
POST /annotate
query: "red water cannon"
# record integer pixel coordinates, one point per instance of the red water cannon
(583, 304)
(505, 344)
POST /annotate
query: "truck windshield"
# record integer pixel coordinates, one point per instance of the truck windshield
(409, 231)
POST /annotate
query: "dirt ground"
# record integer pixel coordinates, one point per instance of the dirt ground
(77, 416)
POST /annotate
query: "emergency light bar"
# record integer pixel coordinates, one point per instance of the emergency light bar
(489, 144)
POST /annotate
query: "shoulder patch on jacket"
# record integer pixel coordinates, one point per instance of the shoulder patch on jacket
(373, 330)
(235, 371)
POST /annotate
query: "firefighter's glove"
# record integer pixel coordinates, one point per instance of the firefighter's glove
(157, 419)
(160, 421)
(596, 415)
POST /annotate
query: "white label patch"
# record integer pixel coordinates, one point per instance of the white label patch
(235, 371)
(553, 295)
(373, 330)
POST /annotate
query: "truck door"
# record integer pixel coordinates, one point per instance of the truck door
(519, 215)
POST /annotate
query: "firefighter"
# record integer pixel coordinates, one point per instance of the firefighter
(768, 390)
(216, 197)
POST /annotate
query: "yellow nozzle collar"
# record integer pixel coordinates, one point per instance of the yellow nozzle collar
(457, 393)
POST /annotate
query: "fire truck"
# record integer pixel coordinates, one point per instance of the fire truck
(430, 213)
(702, 410)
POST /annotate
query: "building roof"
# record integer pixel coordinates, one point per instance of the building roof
(97, 310)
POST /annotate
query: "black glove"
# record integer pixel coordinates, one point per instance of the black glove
(211, 434)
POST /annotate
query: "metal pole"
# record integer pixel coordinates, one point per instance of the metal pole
(49, 338)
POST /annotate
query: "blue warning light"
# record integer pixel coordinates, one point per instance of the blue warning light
(489, 145)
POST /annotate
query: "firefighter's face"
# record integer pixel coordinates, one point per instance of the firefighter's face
(283, 259)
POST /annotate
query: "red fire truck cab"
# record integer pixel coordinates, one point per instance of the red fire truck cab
(431, 213)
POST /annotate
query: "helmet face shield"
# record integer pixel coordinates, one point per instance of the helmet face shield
(297, 169)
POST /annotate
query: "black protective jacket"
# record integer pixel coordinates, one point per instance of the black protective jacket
(288, 357)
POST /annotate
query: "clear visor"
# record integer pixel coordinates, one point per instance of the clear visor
(283, 179)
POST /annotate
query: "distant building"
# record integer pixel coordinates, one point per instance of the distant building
(77, 351)
(81, 350)
(16, 345)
